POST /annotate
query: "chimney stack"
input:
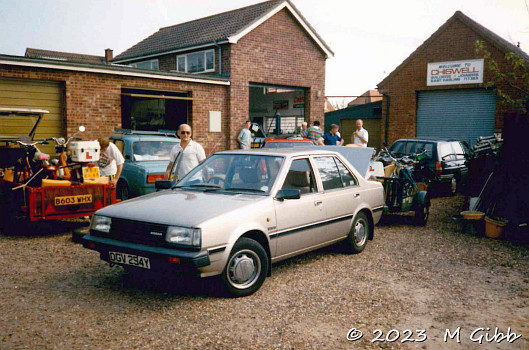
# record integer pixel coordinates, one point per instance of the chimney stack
(109, 55)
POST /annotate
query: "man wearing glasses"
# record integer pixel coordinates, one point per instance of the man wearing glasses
(192, 154)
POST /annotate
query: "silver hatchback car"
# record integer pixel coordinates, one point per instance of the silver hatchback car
(238, 212)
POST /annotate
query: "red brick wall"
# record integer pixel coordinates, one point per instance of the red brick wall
(456, 42)
(94, 100)
(276, 52)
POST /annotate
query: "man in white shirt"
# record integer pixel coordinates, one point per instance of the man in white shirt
(191, 155)
(245, 136)
(360, 136)
(110, 160)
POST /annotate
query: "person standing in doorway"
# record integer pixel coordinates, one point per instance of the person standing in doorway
(360, 137)
(332, 138)
(110, 160)
(315, 134)
(245, 136)
(191, 154)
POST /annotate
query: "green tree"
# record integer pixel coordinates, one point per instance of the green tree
(512, 84)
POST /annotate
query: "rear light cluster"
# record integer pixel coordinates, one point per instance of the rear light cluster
(152, 178)
(438, 168)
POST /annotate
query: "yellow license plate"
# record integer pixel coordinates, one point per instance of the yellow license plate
(90, 173)
(72, 200)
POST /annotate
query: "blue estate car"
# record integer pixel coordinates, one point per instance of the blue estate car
(146, 156)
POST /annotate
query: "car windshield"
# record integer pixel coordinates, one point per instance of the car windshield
(288, 144)
(152, 150)
(243, 173)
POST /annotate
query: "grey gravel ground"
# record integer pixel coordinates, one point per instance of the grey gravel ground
(56, 295)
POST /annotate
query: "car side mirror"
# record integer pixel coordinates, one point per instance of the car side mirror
(163, 184)
(287, 193)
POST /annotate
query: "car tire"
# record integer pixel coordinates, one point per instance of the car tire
(122, 191)
(358, 234)
(78, 233)
(246, 269)
(421, 215)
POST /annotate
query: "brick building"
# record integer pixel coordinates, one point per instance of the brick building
(213, 73)
(438, 91)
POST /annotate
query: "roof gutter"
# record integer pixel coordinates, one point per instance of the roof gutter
(87, 69)
(190, 48)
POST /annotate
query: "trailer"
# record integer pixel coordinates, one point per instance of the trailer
(31, 185)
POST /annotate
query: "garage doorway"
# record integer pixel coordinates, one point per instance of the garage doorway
(459, 114)
(267, 101)
(154, 110)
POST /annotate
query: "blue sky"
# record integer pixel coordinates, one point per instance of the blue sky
(369, 38)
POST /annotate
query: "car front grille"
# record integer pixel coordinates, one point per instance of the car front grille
(138, 232)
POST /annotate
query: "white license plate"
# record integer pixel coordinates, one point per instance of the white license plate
(130, 259)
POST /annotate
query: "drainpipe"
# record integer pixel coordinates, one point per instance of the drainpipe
(220, 57)
(387, 116)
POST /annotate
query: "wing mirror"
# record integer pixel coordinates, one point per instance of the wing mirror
(287, 193)
(163, 184)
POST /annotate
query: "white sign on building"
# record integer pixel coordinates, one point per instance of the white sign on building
(455, 72)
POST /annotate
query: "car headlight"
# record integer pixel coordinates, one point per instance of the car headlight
(184, 236)
(100, 223)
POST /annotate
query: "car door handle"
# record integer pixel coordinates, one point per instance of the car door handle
(356, 195)
(318, 203)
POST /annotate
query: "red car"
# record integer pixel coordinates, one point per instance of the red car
(291, 142)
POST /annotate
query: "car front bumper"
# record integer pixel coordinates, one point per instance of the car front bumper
(189, 261)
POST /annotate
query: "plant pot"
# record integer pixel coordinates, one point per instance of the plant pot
(493, 228)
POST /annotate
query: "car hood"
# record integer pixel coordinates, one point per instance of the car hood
(186, 208)
(153, 167)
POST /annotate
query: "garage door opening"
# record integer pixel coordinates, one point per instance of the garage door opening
(154, 110)
(268, 101)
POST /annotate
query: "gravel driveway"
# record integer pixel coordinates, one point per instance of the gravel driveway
(57, 295)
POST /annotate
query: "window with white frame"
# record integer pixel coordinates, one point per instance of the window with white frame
(196, 62)
(151, 64)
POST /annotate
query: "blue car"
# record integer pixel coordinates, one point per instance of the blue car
(146, 156)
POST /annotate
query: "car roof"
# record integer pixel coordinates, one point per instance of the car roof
(431, 139)
(134, 137)
(283, 152)
(297, 140)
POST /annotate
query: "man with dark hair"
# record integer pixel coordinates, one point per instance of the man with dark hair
(315, 134)
(332, 138)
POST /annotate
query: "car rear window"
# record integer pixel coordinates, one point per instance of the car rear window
(458, 150)
(445, 150)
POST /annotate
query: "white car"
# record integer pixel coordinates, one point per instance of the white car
(240, 211)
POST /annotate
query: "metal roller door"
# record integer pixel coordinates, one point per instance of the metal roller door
(461, 114)
(35, 94)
